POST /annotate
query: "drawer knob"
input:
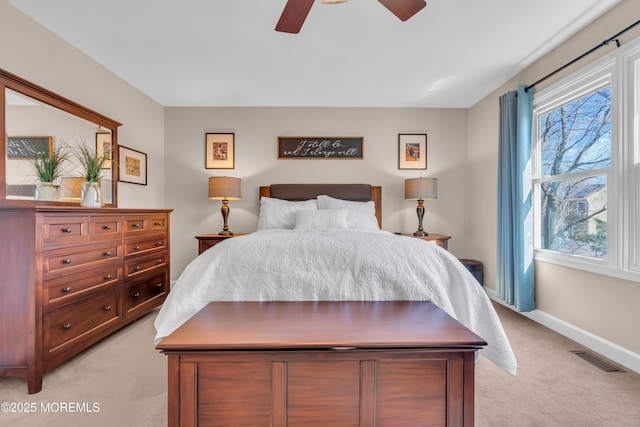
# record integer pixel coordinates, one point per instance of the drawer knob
(135, 225)
(159, 261)
(66, 230)
(67, 261)
(107, 227)
(136, 295)
(67, 326)
(157, 223)
(136, 248)
(107, 253)
(159, 243)
(137, 268)
(159, 285)
(107, 308)
(107, 276)
(67, 289)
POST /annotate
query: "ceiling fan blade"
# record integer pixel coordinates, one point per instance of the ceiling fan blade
(404, 9)
(293, 16)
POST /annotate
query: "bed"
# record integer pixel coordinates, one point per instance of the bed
(323, 242)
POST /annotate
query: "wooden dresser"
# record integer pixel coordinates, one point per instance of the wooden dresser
(70, 276)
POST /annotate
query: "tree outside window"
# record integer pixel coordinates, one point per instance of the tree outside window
(574, 143)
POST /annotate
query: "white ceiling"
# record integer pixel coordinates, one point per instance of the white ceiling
(358, 54)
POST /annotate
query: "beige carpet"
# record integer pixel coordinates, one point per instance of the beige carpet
(126, 377)
(554, 387)
(124, 374)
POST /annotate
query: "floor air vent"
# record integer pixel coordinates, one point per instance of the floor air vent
(596, 361)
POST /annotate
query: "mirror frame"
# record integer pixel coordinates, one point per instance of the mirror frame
(24, 87)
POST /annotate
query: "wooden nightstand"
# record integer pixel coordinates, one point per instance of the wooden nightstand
(439, 239)
(207, 241)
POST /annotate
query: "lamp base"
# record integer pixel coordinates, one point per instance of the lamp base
(420, 212)
(225, 216)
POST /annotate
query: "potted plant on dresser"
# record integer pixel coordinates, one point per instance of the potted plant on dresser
(92, 164)
(48, 169)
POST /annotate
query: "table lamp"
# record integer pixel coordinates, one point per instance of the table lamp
(71, 188)
(224, 188)
(420, 189)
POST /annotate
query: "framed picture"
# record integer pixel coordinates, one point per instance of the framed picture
(219, 151)
(29, 147)
(103, 146)
(132, 166)
(412, 151)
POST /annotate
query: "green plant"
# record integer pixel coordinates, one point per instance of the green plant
(92, 162)
(49, 168)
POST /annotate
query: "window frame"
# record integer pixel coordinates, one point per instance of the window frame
(621, 69)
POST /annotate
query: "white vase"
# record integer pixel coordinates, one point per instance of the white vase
(91, 195)
(46, 191)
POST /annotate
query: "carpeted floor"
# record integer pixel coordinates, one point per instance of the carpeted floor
(126, 377)
(553, 387)
(124, 374)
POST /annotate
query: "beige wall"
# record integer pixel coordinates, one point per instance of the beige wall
(595, 304)
(34, 53)
(256, 134)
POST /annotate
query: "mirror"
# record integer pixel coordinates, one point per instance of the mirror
(37, 122)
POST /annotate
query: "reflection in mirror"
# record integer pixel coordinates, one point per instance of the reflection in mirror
(34, 128)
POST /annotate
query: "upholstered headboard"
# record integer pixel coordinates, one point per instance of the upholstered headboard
(354, 192)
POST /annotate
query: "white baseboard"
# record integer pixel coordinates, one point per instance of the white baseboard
(611, 351)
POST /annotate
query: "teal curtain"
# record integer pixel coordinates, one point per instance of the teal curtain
(515, 276)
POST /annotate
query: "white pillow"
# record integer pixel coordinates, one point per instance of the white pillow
(327, 219)
(278, 213)
(360, 215)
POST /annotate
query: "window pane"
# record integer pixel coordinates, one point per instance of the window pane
(574, 216)
(577, 135)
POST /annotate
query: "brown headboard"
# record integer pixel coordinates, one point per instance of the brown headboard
(354, 192)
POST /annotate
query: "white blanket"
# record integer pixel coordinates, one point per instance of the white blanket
(287, 265)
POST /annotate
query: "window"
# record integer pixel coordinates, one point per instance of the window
(574, 141)
(586, 151)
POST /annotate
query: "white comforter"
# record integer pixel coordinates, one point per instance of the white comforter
(287, 265)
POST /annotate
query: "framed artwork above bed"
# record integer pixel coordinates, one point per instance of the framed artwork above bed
(320, 147)
(412, 151)
(219, 151)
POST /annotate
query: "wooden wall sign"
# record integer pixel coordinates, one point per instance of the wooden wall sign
(320, 147)
(29, 147)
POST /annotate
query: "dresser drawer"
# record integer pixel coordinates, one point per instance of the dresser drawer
(145, 245)
(143, 294)
(64, 230)
(158, 223)
(136, 224)
(138, 266)
(68, 325)
(60, 262)
(106, 227)
(75, 286)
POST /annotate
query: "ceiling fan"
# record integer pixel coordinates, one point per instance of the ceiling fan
(296, 11)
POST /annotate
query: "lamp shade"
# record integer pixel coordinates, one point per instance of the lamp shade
(71, 188)
(224, 187)
(421, 188)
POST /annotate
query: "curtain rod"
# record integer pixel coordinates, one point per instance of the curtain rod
(604, 43)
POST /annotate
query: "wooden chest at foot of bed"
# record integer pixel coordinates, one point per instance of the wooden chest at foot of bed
(321, 363)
